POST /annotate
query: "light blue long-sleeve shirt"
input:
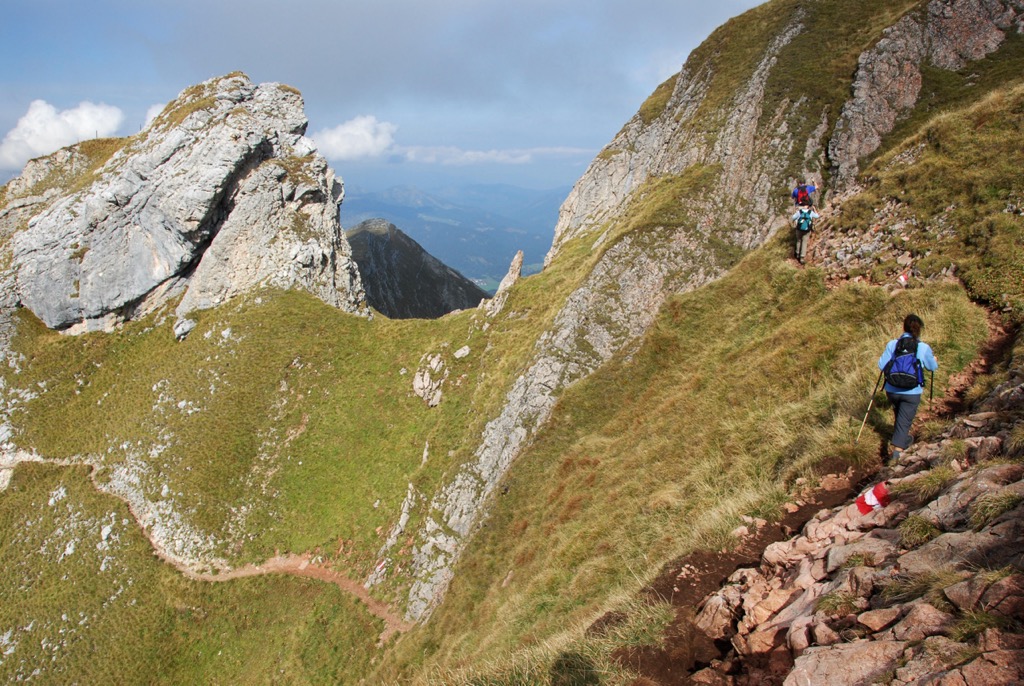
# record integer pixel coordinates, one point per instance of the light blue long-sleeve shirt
(924, 353)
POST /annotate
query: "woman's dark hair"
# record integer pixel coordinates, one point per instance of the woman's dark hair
(913, 324)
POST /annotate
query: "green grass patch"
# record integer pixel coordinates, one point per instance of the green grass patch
(928, 585)
(836, 604)
(915, 530)
(989, 506)
(85, 601)
(929, 485)
(973, 623)
(654, 106)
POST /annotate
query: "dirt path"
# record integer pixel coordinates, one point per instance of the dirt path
(951, 399)
(296, 565)
(300, 565)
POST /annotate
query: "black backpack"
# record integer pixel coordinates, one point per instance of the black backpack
(904, 370)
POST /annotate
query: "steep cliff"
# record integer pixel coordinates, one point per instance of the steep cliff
(221, 192)
(402, 280)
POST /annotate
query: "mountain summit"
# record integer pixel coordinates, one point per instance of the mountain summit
(404, 281)
(221, 192)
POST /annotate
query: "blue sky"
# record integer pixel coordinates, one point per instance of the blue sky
(421, 92)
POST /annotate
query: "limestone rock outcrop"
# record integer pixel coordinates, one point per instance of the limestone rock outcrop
(947, 34)
(222, 192)
(404, 281)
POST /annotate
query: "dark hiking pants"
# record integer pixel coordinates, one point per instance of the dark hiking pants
(904, 407)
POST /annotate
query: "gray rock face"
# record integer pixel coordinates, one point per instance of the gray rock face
(947, 34)
(402, 280)
(751, 157)
(222, 192)
(621, 296)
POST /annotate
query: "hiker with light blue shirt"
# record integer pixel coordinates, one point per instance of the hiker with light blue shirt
(803, 219)
(903, 363)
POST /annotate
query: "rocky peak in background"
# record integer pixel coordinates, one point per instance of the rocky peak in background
(221, 193)
(402, 280)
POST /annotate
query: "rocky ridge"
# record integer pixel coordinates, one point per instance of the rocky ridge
(947, 34)
(926, 587)
(738, 209)
(220, 193)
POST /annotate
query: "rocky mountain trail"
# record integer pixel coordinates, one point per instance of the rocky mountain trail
(925, 587)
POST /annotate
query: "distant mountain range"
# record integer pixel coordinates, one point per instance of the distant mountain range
(474, 229)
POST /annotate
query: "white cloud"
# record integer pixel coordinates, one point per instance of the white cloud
(153, 112)
(43, 130)
(459, 157)
(356, 139)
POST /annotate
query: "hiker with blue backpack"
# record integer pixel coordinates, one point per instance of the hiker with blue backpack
(803, 219)
(903, 364)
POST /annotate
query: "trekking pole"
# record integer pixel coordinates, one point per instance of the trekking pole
(869, 408)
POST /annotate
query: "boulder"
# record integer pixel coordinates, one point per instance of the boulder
(876, 620)
(875, 551)
(845, 663)
(922, 621)
(1006, 597)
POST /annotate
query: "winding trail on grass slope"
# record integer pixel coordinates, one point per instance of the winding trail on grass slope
(301, 565)
(295, 565)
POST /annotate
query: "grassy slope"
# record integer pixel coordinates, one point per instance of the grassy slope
(104, 610)
(961, 197)
(740, 388)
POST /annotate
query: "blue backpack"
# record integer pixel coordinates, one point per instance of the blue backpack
(904, 370)
(804, 222)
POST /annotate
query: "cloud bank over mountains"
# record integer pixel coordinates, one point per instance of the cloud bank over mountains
(399, 92)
